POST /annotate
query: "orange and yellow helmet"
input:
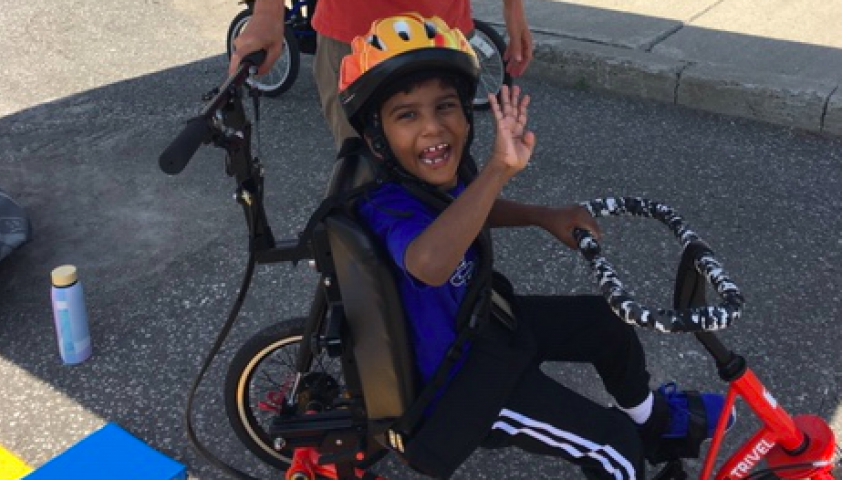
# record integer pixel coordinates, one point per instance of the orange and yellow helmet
(398, 46)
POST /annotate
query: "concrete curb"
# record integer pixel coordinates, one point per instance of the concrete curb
(783, 100)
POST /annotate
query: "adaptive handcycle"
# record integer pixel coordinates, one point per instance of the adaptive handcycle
(320, 396)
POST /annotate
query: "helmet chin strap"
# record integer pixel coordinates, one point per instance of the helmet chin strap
(376, 138)
(379, 144)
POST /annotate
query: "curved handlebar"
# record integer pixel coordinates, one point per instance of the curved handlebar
(199, 129)
(694, 319)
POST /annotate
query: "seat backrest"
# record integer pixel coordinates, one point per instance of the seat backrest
(372, 304)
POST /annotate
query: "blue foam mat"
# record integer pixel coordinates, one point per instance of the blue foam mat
(107, 454)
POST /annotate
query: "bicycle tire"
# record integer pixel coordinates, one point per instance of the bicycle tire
(265, 363)
(284, 71)
(489, 47)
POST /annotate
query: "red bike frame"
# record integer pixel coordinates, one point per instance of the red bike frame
(799, 447)
(794, 448)
(305, 466)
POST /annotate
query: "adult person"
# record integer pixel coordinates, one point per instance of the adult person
(337, 22)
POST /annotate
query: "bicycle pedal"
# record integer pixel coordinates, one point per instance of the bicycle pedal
(673, 470)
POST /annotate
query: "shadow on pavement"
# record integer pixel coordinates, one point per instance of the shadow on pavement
(160, 258)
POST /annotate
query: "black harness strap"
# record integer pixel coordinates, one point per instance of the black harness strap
(473, 311)
(337, 201)
(471, 316)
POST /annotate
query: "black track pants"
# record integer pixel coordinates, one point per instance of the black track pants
(545, 417)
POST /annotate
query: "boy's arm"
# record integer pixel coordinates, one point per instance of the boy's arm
(559, 221)
(433, 256)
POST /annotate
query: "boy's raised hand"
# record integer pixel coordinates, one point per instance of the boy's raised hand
(513, 144)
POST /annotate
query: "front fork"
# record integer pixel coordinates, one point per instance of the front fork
(318, 310)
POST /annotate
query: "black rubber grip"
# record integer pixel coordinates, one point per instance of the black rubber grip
(254, 58)
(184, 146)
(588, 246)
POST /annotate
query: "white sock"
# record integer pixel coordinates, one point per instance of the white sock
(640, 413)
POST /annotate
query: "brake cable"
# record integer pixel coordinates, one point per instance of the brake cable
(223, 334)
(220, 339)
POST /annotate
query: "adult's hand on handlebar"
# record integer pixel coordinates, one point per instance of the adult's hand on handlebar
(562, 221)
(202, 128)
(264, 31)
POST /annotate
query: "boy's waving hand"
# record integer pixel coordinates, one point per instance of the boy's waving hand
(514, 144)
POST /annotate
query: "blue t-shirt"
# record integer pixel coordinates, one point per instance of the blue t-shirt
(397, 217)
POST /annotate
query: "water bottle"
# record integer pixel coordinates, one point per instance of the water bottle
(70, 315)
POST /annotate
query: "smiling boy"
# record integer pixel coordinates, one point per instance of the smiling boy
(407, 87)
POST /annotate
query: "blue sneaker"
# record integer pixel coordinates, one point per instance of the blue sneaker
(681, 421)
(692, 413)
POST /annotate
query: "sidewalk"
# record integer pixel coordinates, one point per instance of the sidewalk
(776, 61)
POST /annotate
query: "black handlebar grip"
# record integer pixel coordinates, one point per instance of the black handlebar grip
(255, 58)
(184, 146)
(586, 242)
(580, 233)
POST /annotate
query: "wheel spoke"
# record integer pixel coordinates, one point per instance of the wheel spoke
(269, 363)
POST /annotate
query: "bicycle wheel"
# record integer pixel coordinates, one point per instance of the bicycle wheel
(489, 47)
(258, 379)
(283, 73)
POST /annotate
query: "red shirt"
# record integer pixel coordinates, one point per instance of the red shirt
(345, 19)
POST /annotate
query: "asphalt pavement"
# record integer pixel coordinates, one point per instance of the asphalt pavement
(93, 92)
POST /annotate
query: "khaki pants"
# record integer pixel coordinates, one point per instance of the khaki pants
(326, 64)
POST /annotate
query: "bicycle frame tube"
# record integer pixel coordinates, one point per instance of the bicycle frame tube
(305, 466)
(793, 448)
(784, 442)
